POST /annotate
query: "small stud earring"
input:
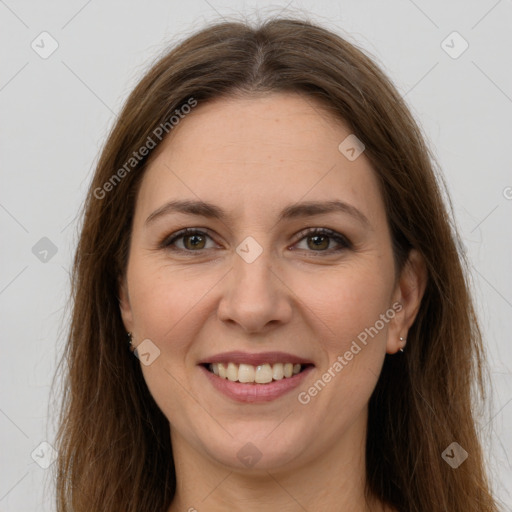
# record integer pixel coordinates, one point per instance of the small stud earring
(130, 341)
(404, 341)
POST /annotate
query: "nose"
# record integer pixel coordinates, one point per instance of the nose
(255, 295)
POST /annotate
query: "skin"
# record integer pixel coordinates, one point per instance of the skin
(252, 157)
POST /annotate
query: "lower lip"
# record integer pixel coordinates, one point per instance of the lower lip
(256, 392)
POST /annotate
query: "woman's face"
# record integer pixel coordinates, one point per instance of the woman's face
(253, 285)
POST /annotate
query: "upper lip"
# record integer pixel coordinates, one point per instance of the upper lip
(255, 359)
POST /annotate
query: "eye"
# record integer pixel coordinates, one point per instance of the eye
(319, 239)
(195, 240)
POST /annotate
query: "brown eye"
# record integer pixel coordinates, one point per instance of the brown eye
(194, 241)
(186, 240)
(319, 240)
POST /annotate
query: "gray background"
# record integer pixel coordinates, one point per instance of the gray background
(56, 112)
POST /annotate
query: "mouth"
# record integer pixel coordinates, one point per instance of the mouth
(260, 377)
(255, 374)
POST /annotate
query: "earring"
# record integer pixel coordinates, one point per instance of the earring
(404, 341)
(130, 341)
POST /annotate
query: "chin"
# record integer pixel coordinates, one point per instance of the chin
(260, 450)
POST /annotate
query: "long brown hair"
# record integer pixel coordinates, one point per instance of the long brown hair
(114, 443)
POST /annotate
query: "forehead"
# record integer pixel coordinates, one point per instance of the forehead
(255, 154)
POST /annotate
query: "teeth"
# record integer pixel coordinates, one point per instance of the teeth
(261, 374)
(245, 373)
(232, 372)
(277, 371)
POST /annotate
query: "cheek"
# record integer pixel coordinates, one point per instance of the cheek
(352, 335)
(161, 296)
(346, 302)
(170, 308)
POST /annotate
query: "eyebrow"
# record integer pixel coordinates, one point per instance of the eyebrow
(299, 210)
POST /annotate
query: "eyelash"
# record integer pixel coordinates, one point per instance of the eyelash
(168, 241)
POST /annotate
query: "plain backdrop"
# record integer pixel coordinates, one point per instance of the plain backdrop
(57, 108)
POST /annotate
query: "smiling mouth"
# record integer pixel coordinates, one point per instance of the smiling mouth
(260, 374)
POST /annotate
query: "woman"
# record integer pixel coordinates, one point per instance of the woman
(266, 233)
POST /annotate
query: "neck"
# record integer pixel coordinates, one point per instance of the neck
(333, 480)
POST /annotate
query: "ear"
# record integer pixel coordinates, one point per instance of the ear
(408, 293)
(124, 305)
